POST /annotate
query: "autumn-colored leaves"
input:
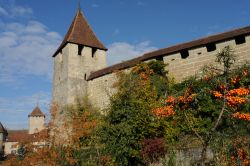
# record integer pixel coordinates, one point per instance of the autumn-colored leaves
(234, 98)
(171, 102)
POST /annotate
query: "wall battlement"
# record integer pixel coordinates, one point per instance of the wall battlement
(180, 65)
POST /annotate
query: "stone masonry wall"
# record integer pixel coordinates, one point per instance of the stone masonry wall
(36, 124)
(71, 71)
(199, 57)
(100, 89)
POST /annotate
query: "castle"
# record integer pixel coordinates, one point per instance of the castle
(10, 140)
(80, 67)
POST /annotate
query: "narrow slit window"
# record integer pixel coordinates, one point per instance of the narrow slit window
(85, 76)
(160, 58)
(184, 54)
(211, 47)
(240, 40)
(93, 52)
(80, 48)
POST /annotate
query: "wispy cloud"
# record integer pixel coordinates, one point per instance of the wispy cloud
(3, 11)
(116, 32)
(94, 5)
(11, 10)
(120, 51)
(20, 11)
(140, 3)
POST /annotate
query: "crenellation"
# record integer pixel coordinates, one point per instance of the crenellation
(221, 45)
(247, 38)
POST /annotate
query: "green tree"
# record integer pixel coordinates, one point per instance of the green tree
(129, 120)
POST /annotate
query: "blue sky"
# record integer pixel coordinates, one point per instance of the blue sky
(30, 31)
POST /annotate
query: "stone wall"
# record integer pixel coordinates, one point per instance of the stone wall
(100, 89)
(10, 147)
(36, 124)
(181, 68)
(71, 70)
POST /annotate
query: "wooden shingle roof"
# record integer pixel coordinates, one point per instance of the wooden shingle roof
(81, 33)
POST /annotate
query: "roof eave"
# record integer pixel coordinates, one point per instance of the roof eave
(63, 45)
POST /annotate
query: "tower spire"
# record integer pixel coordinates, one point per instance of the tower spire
(80, 33)
(79, 5)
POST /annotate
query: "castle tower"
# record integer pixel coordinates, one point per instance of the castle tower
(3, 134)
(36, 121)
(79, 54)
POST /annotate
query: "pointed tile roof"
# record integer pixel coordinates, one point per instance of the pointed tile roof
(36, 112)
(80, 32)
(2, 129)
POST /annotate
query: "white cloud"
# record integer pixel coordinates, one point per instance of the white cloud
(26, 49)
(120, 51)
(20, 11)
(11, 10)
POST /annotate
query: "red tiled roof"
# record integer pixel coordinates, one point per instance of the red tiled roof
(17, 136)
(170, 50)
(36, 112)
(24, 136)
(80, 32)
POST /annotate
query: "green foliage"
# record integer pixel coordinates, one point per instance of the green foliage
(129, 120)
(21, 151)
(226, 57)
(207, 117)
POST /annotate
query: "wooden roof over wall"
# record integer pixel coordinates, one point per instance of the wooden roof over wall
(173, 49)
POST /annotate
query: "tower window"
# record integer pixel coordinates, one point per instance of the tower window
(184, 54)
(93, 52)
(211, 47)
(240, 40)
(80, 48)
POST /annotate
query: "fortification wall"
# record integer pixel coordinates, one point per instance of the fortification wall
(100, 89)
(182, 67)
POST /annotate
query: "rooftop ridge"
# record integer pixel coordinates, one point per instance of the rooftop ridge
(172, 49)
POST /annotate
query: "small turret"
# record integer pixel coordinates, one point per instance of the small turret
(3, 134)
(36, 120)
